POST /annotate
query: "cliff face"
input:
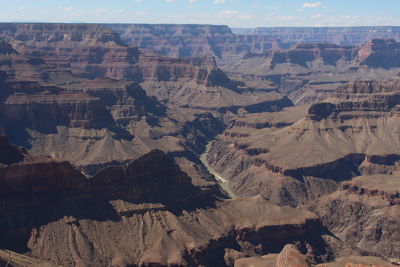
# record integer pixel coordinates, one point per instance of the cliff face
(309, 73)
(201, 70)
(364, 212)
(16, 66)
(99, 218)
(352, 134)
(303, 53)
(332, 35)
(194, 40)
(87, 49)
(44, 106)
(68, 109)
(94, 51)
(380, 53)
(340, 158)
(174, 40)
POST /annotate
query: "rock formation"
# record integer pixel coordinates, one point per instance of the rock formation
(146, 212)
(365, 212)
(331, 35)
(111, 121)
(337, 140)
(380, 53)
(294, 160)
(309, 73)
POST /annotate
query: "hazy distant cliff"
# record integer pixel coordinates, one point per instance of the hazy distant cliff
(336, 35)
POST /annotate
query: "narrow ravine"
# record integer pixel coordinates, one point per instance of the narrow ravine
(222, 182)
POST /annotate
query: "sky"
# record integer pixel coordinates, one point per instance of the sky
(234, 13)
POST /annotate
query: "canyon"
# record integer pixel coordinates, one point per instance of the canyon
(198, 145)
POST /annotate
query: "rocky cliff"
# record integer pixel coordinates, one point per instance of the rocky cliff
(332, 35)
(340, 158)
(94, 51)
(380, 53)
(89, 49)
(174, 40)
(179, 224)
(364, 212)
(335, 141)
(192, 40)
(309, 73)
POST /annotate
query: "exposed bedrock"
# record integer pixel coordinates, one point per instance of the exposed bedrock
(294, 161)
(380, 53)
(94, 51)
(190, 40)
(144, 213)
(307, 73)
(291, 256)
(69, 109)
(365, 212)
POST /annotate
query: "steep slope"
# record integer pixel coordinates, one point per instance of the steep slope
(16, 66)
(193, 40)
(98, 219)
(309, 73)
(380, 53)
(93, 51)
(87, 50)
(365, 212)
(353, 133)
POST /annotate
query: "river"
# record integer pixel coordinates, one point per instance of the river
(222, 182)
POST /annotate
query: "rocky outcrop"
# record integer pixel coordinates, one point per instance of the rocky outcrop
(353, 134)
(302, 54)
(95, 51)
(84, 49)
(291, 257)
(364, 212)
(174, 40)
(311, 72)
(16, 66)
(100, 218)
(201, 70)
(70, 109)
(193, 40)
(380, 53)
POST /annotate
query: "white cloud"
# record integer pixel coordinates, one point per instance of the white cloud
(316, 16)
(219, 1)
(170, 1)
(140, 14)
(281, 18)
(68, 9)
(246, 16)
(227, 13)
(312, 4)
(192, 1)
(100, 11)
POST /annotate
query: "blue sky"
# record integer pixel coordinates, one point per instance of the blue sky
(235, 13)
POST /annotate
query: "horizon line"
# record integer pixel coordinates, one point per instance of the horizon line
(192, 24)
